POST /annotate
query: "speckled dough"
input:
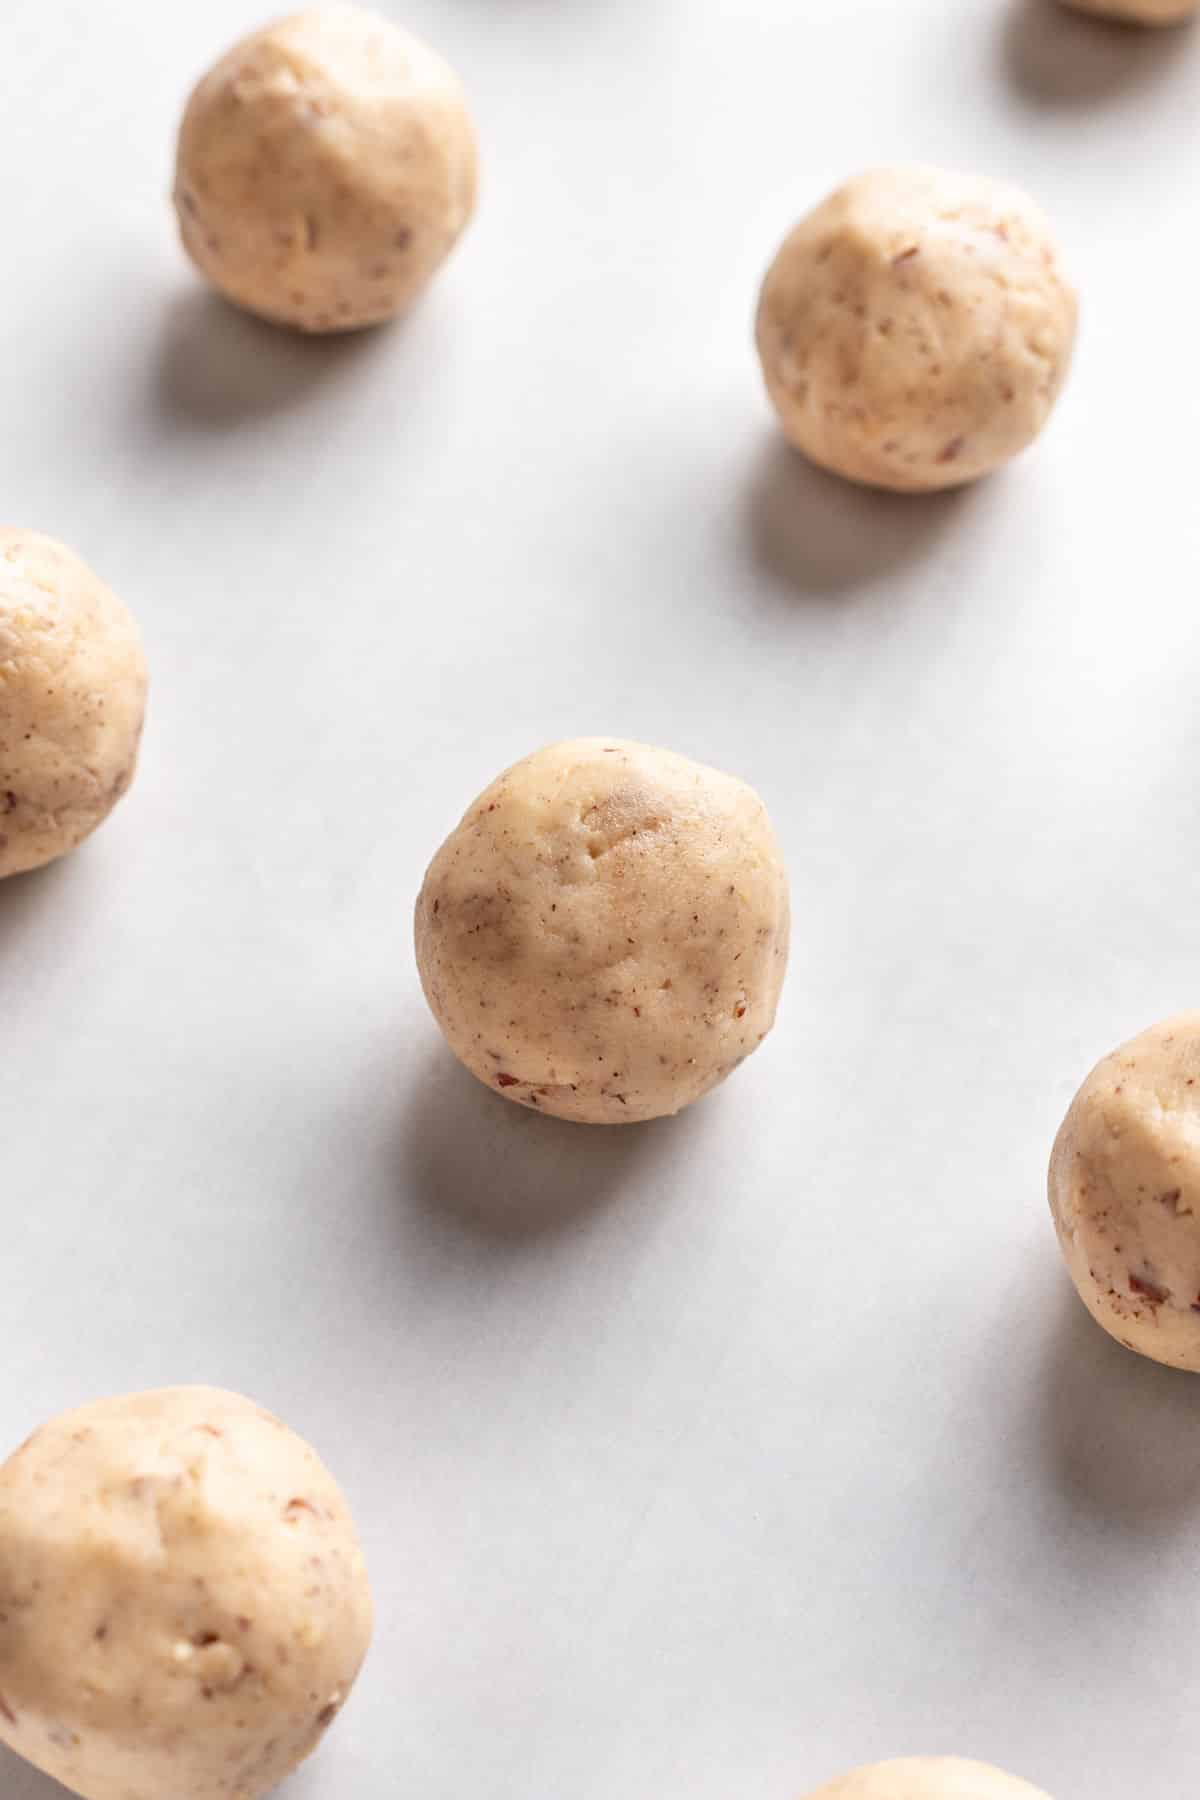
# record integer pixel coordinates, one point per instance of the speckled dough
(929, 1778)
(183, 1604)
(605, 934)
(326, 169)
(1125, 1192)
(915, 330)
(72, 700)
(1138, 12)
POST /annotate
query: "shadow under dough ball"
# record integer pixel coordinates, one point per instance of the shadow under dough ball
(326, 168)
(1138, 12)
(915, 329)
(929, 1778)
(72, 700)
(1125, 1192)
(183, 1603)
(604, 936)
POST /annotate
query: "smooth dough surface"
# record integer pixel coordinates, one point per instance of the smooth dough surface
(326, 168)
(1138, 12)
(1125, 1192)
(183, 1603)
(605, 935)
(929, 1778)
(72, 700)
(915, 329)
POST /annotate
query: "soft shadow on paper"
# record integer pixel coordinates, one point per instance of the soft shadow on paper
(20, 1781)
(511, 1175)
(822, 537)
(216, 365)
(25, 900)
(1055, 55)
(1119, 1435)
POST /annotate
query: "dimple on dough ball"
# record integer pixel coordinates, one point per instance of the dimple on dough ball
(929, 1778)
(72, 700)
(183, 1603)
(605, 934)
(326, 168)
(1138, 12)
(916, 328)
(1125, 1192)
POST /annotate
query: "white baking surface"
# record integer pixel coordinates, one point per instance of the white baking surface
(706, 1459)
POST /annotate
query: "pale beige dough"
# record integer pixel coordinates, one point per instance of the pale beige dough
(604, 936)
(916, 328)
(929, 1778)
(183, 1603)
(1138, 12)
(72, 700)
(326, 168)
(1125, 1192)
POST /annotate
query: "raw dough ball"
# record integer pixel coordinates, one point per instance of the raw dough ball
(605, 934)
(916, 328)
(183, 1604)
(929, 1778)
(326, 168)
(1125, 1192)
(72, 700)
(1138, 12)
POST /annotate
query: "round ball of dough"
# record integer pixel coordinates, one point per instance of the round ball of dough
(183, 1604)
(326, 169)
(1138, 12)
(929, 1778)
(605, 934)
(916, 328)
(1125, 1192)
(72, 700)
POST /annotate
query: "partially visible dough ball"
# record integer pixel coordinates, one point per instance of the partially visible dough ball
(1138, 12)
(72, 700)
(929, 1778)
(915, 330)
(605, 934)
(183, 1604)
(326, 169)
(1125, 1192)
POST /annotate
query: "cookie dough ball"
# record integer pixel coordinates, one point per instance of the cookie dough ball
(1125, 1192)
(915, 330)
(72, 700)
(605, 934)
(929, 1778)
(1138, 12)
(183, 1605)
(326, 169)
